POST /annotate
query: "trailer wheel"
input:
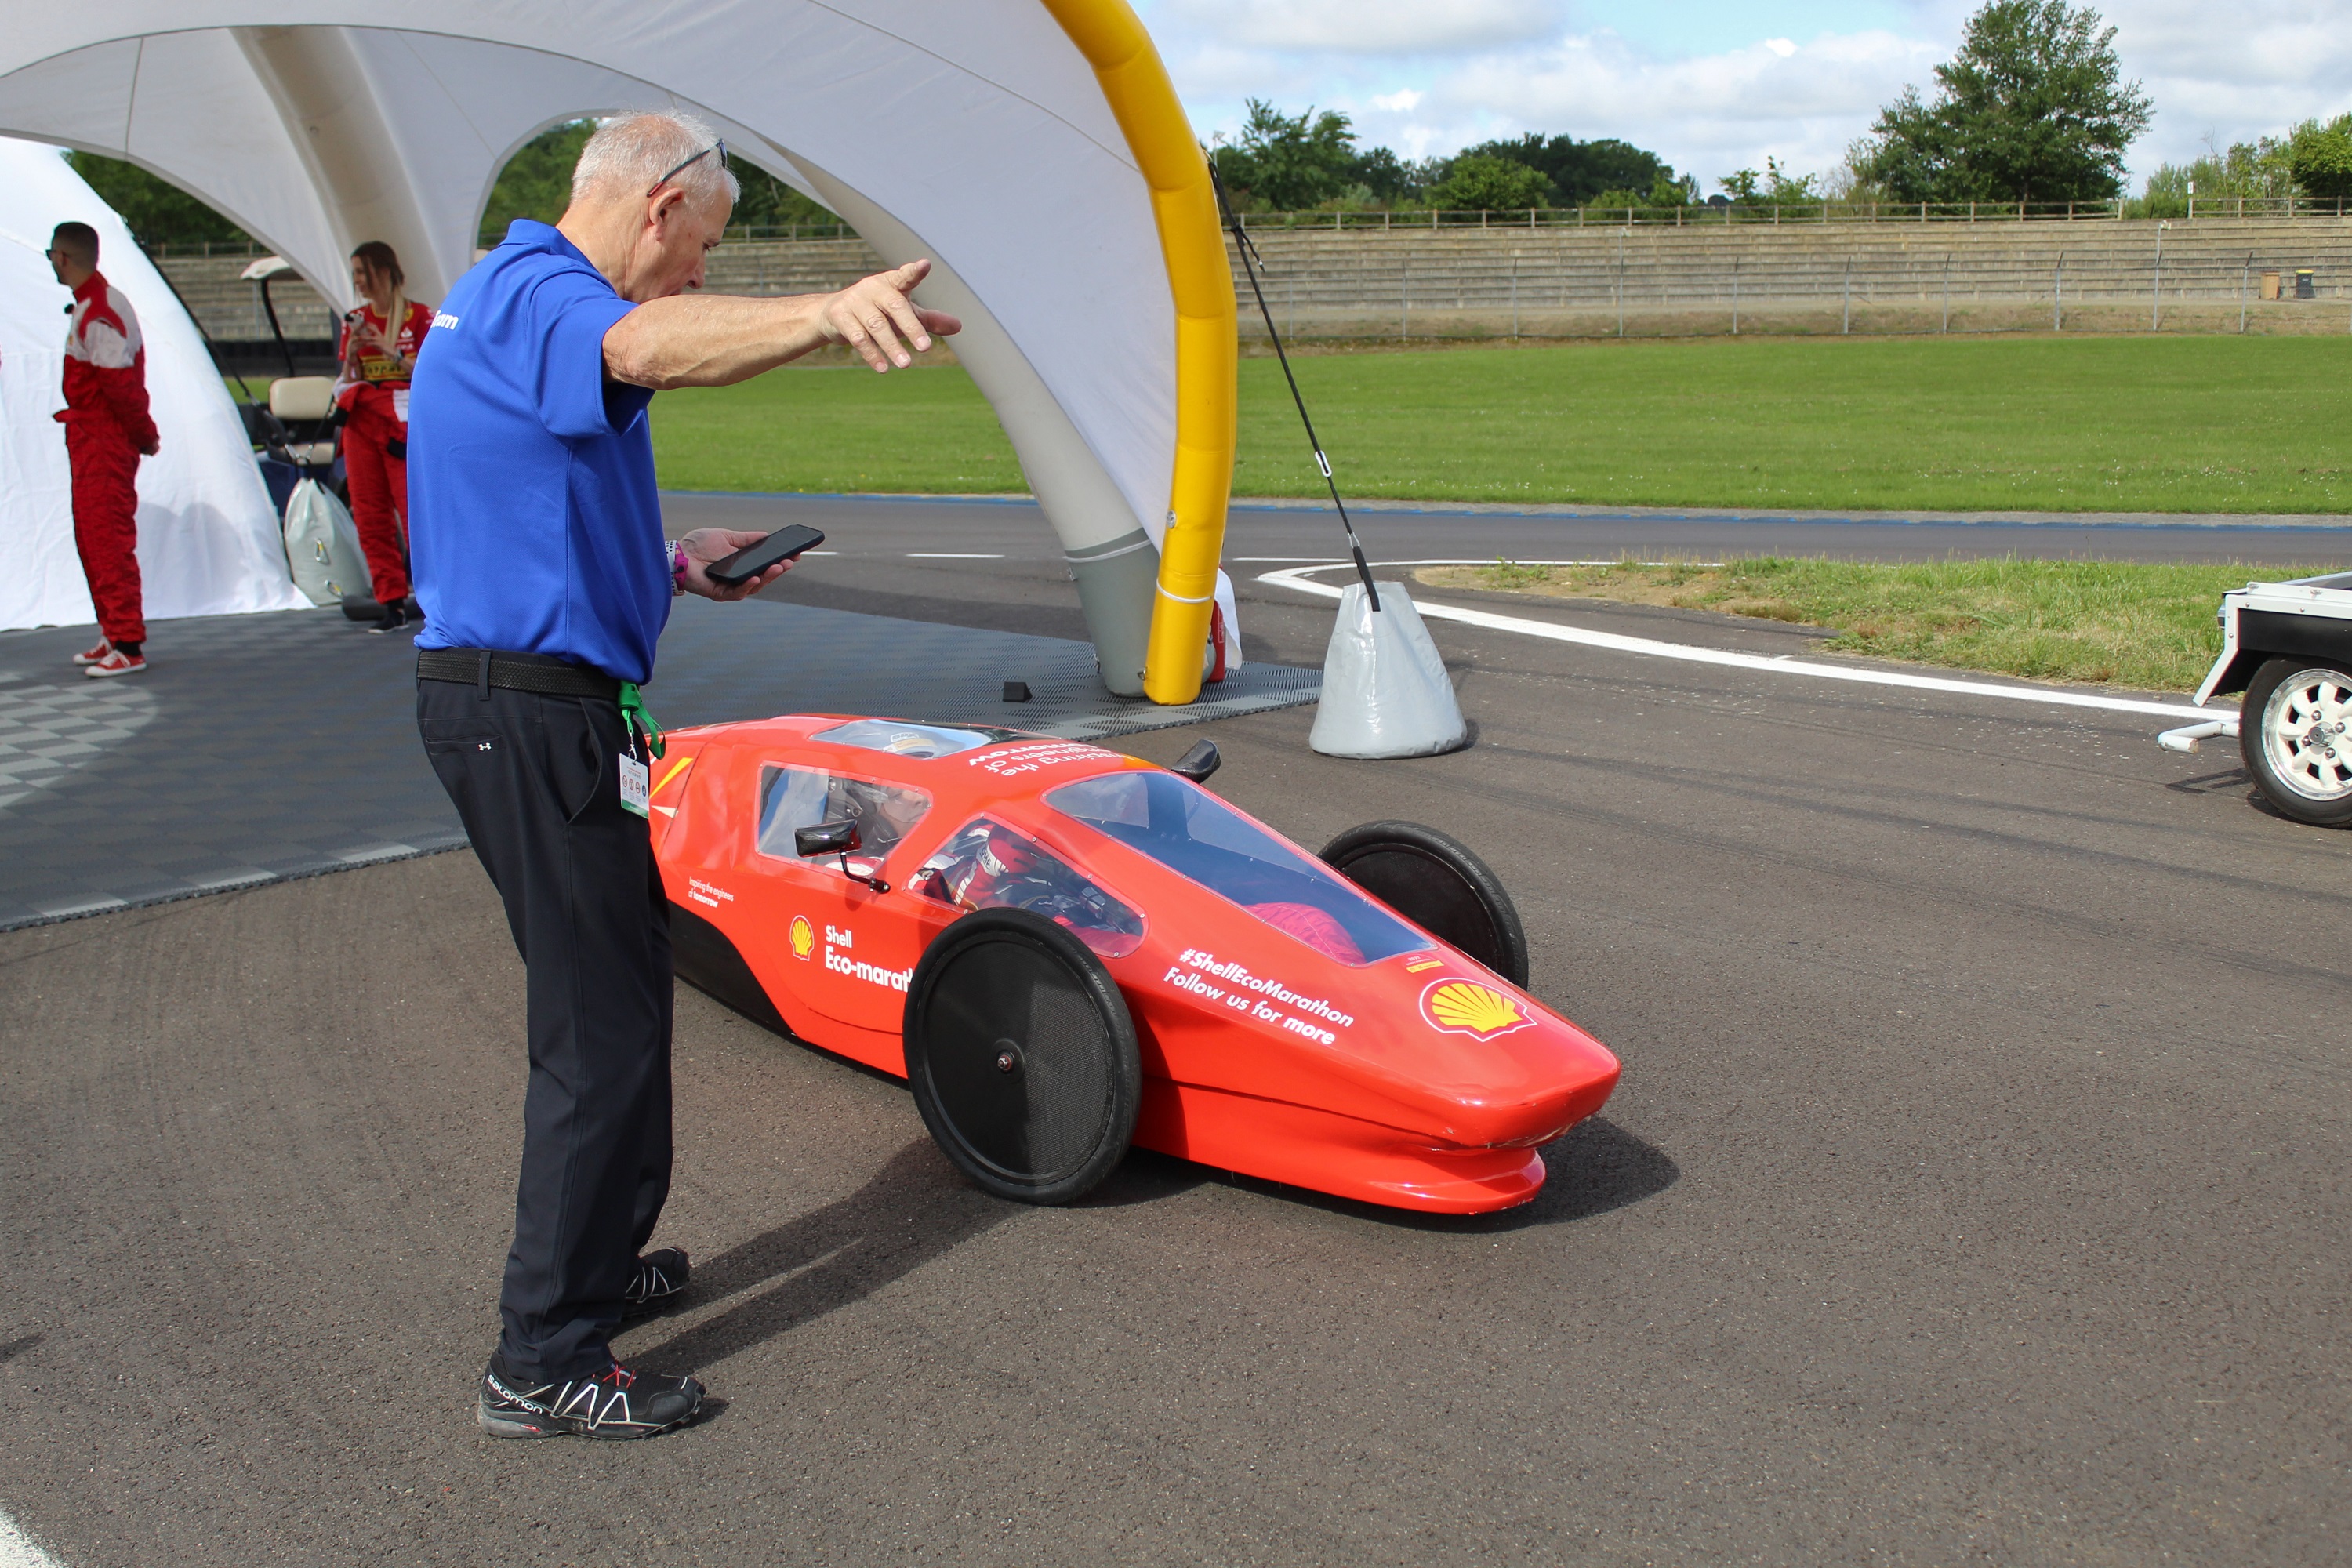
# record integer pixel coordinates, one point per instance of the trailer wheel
(2295, 731)
(1434, 880)
(1022, 1056)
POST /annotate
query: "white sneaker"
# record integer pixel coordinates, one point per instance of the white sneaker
(116, 662)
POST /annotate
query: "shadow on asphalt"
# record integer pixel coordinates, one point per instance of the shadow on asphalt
(14, 1348)
(1598, 1166)
(915, 1209)
(2228, 781)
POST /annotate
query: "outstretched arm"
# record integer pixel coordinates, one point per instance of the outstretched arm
(716, 340)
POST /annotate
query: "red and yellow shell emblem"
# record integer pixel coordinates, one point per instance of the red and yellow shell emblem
(804, 937)
(1462, 1006)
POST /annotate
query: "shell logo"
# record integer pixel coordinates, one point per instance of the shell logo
(804, 937)
(1465, 1007)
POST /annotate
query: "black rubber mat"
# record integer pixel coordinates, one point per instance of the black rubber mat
(258, 747)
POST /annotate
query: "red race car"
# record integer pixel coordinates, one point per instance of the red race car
(1065, 951)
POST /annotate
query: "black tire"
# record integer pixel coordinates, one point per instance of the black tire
(1022, 1056)
(1434, 880)
(2288, 726)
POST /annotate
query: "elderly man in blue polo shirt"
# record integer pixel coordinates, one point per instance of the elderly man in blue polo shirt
(536, 536)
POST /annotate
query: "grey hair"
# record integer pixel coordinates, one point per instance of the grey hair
(633, 151)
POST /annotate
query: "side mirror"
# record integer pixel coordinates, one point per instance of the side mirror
(1198, 763)
(832, 838)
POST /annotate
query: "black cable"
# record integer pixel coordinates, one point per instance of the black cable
(275, 330)
(1249, 255)
(210, 347)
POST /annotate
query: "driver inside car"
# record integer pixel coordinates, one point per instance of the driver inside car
(990, 866)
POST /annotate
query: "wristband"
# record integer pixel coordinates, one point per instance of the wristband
(676, 567)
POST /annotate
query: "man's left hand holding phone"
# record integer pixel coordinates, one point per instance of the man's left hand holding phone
(707, 547)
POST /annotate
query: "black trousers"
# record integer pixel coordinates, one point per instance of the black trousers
(536, 782)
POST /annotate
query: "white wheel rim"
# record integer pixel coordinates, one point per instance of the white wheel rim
(2307, 734)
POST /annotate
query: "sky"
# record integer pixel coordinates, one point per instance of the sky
(1714, 86)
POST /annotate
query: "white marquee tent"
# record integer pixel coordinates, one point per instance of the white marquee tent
(1034, 149)
(208, 539)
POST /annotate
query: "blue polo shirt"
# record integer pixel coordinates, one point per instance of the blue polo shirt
(533, 523)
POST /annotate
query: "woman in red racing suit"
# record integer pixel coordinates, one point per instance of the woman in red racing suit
(378, 350)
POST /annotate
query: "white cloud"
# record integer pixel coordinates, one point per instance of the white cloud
(1433, 76)
(2252, 68)
(1708, 114)
(1371, 26)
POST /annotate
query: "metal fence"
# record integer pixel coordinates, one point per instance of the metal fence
(1653, 280)
(1631, 282)
(1751, 215)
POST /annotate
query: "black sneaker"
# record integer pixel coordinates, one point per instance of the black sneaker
(393, 619)
(659, 1280)
(617, 1403)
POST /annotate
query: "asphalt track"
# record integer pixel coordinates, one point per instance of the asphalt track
(1264, 531)
(1976, 1191)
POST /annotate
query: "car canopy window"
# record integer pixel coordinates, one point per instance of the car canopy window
(904, 740)
(1194, 834)
(791, 798)
(988, 866)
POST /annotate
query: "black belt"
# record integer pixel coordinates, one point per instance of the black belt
(485, 667)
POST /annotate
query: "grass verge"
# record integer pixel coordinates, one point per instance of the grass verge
(2148, 627)
(834, 427)
(2041, 424)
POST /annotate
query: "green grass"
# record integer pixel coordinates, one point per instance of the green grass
(833, 428)
(2188, 424)
(2149, 628)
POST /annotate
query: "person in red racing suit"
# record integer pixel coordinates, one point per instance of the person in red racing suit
(378, 350)
(107, 431)
(989, 867)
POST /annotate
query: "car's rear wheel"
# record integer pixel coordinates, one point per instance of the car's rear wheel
(1434, 880)
(2294, 729)
(1022, 1056)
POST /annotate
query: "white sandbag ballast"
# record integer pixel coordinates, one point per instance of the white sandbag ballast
(322, 545)
(1385, 692)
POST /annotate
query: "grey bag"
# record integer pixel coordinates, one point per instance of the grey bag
(1385, 693)
(322, 547)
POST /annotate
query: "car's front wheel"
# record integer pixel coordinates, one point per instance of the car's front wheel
(2295, 731)
(1433, 879)
(1022, 1056)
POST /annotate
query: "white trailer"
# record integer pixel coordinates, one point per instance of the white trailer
(2288, 647)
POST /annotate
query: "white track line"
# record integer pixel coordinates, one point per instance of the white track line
(19, 1550)
(1295, 577)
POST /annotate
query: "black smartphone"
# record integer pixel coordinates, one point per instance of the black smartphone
(754, 559)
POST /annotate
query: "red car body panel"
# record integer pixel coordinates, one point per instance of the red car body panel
(1420, 1079)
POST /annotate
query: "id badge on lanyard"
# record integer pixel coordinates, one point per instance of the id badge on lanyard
(637, 773)
(637, 782)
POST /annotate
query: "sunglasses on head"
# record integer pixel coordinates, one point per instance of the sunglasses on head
(719, 147)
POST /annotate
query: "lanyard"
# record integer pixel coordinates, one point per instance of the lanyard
(640, 719)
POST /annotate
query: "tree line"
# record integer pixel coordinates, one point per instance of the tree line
(1310, 163)
(2032, 106)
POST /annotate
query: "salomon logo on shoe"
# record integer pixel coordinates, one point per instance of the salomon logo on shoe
(616, 1403)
